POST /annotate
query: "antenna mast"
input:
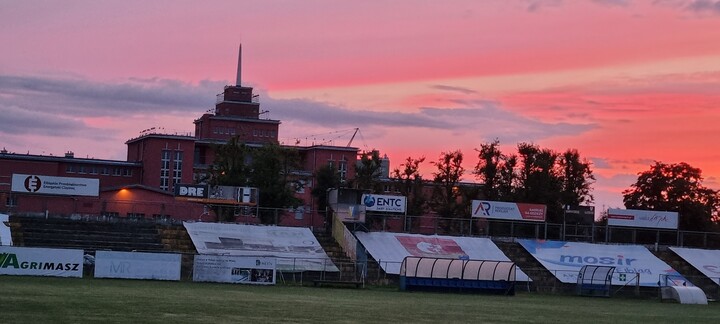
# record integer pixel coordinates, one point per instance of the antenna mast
(239, 66)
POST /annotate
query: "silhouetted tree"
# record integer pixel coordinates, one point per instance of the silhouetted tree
(497, 172)
(326, 178)
(576, 177)
(676, 187)
(271, 170)
(368, 172)
(409, 182)
(538, 179)
(446, 198)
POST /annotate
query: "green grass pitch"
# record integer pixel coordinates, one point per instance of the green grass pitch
(64, 300)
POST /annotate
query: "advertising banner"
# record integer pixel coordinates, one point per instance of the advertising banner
(217, 194)
(234, 269)
(137, 265)
(706, 261)
(508, 210)
(389, 249)
(296, 248)
(5, 234)
(23, 261)
(642, 218)
(564, 260)
(41, 184)
(384, 203)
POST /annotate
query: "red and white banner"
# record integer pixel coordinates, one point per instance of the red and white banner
(642, 218)
(508, 210)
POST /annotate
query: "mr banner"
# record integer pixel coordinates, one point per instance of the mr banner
(384, 203)
(508, 211)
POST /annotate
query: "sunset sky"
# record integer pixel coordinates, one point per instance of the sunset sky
(625, 82)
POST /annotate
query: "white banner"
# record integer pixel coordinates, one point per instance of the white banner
(642, 218)
(136, 265)
(389, 249)
(706, 261)
(384, 203)
(296, 248)
(508, 210)
(41, 184)
(564, 260)
(234, 269)
(23, 261)
(5, 234)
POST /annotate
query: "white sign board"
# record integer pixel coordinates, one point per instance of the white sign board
(234, 269)
(564, 260)
(384, 203)
(5, 234)
(389, 249)
(41, 184)
(642, 218)
(706, 261)
(136, 265)
(23, 261)
(296, 248)
(508, 210)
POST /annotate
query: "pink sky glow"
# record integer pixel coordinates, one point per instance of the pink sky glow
(626, 82)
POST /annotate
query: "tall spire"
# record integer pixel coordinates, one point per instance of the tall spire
(239, 67)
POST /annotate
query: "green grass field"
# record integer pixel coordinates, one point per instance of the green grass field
(61, 300)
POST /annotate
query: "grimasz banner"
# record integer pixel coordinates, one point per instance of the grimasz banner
(41, 184)
(23, 261)
(706, 261)
(642, 218)
(137, 265)
(384, 203)
(234, 269)
(5, 234)
(564, 260)
(296, 248)
(389, 249)
(508, 210)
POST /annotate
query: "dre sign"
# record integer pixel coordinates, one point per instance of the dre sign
(191, 191)
(384, 203)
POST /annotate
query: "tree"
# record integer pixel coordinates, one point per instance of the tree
(576, 178)
(538, 180)
(409, 182)
(676, 187)
(271, 170)
(368, 172)
(497, 172)
(446, 198)
(230, 168)
(326, 177)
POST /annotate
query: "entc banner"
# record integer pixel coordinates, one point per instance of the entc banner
(508, 210)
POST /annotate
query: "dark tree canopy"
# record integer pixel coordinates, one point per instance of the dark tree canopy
(327, 177)
(577, 178)
(447, 198)
(368, 172)
(497, 172)
(409, 182)
(675, 187)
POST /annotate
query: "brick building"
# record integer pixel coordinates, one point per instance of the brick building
(142, 186)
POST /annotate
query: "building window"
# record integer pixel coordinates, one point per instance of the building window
(81, 169)
(111, 214)
(117, 172)
(177, 167)
(104, 171)
(93, 170)
(165, 170)
(70, 168)
(135, 215)
(127, 172)
(342, 169)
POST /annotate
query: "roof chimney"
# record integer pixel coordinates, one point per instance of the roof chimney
(239, 67)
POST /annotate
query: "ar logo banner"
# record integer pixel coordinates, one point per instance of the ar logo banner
(33, 183)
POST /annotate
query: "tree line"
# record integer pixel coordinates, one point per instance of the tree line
(531, 174)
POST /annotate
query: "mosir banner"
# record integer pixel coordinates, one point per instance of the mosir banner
(706, 261)
(509, 211)
(41, 262)
(564, 260)
(136, 265)
(384, 203)
(234, 269)
(40, 184)
(642, 218)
